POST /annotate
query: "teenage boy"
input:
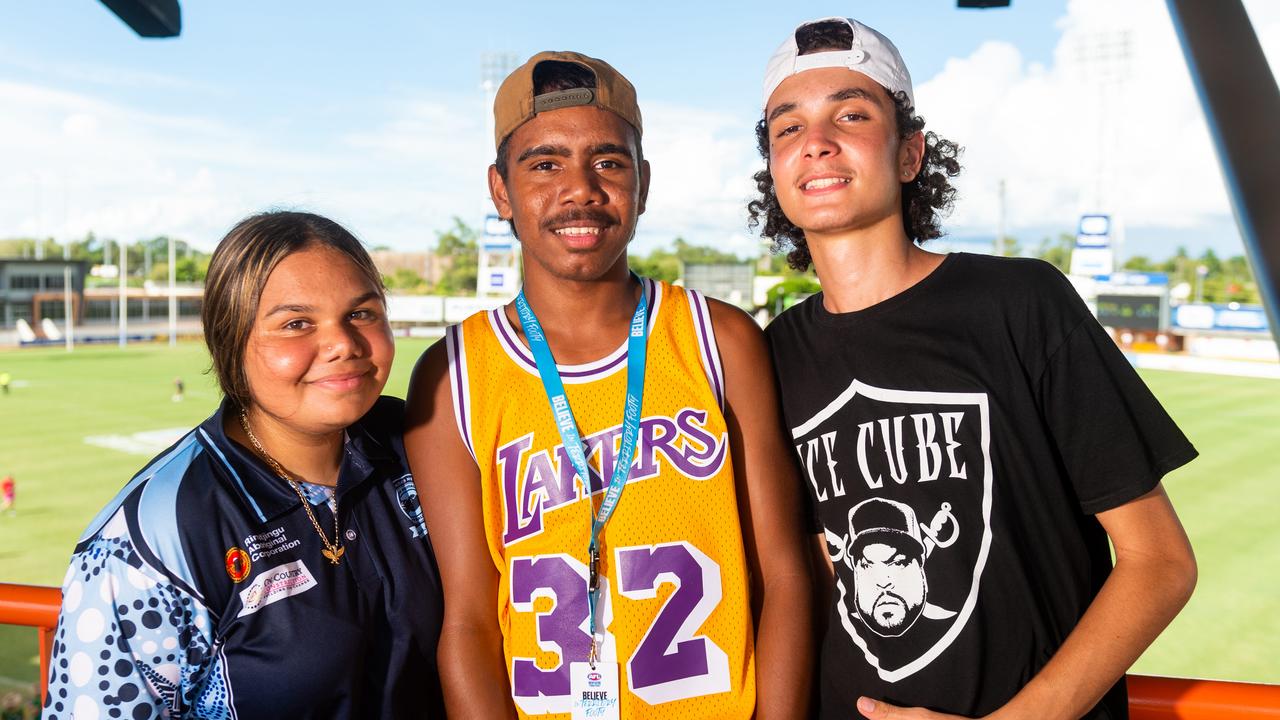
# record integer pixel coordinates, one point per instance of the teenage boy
(687, 595)
(971, 436)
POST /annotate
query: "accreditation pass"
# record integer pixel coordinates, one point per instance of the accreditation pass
(594, 690)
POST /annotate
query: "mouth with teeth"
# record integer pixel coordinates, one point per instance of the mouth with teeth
(577, 231)
(824, 183)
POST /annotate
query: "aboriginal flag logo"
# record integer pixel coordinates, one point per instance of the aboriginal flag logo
(238, 564)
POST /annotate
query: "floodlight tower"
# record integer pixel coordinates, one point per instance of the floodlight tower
(1104, 59)
(498, 253)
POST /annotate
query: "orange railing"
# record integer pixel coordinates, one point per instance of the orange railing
(36, 607)
(1150, 698)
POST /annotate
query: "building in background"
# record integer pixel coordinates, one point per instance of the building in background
(32, 290)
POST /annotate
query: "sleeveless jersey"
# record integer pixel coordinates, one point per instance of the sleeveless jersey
(674, 606)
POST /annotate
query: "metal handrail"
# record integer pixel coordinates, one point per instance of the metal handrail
(1150, 698)
(34, 606)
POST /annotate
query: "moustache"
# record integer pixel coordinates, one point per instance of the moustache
(568, 217)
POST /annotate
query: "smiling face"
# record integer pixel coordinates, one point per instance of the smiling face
(320, 348)
(574, 190)
(834, 152)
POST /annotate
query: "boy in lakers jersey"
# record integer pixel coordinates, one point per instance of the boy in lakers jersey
(601, 461)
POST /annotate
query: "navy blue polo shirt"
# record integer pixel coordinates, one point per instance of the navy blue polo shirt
(200, 591)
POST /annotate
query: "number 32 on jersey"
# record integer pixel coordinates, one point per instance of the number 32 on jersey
(669, 663)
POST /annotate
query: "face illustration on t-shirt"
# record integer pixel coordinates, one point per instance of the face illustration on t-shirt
(902, 480)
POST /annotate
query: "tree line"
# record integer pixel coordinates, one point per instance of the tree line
(146, 259)
(1210, 278)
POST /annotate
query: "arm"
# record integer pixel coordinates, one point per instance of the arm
(768, 497)
(1154, 574)
(824, 584)
(472, 670)
(151, 670)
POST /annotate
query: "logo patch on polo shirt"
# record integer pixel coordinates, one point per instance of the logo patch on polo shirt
(238, 564)
(407, 497)
(274, 585)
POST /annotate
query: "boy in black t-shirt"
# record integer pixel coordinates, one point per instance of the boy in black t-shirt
(970, 435)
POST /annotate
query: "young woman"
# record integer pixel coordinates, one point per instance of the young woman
(274, 562)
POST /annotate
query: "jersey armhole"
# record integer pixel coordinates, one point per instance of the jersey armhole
(708, 350)
(459, 384)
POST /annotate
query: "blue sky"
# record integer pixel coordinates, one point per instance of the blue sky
(376, 118)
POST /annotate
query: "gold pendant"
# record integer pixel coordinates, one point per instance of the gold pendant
(334, 554)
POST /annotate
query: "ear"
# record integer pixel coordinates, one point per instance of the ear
(911, 156)
(498, 193)
(644, 187)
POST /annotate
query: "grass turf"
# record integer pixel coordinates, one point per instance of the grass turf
(1229, 630)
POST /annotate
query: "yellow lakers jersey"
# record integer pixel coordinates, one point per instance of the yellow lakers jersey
(674, 609)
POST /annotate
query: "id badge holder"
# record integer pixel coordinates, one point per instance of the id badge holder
(594, 691)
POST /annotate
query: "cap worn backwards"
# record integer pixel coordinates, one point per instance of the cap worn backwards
(870, 53)
(516, 102)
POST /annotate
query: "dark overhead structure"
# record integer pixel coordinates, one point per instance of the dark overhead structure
(1242, 105)
(982, 4)
(149, 18)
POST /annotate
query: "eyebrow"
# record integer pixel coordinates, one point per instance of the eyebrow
(837, 96)
(562, 151)
(539, 150)
(371, 295)
(783, 108)
(610, 149)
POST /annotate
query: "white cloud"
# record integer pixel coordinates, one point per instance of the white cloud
(76, 162)
(1113, 124)
(702, 164)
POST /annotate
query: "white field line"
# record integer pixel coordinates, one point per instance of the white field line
(148, 443)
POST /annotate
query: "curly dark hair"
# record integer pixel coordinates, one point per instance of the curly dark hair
(925, 198)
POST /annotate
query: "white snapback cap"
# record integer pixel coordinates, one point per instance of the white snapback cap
(871, 54)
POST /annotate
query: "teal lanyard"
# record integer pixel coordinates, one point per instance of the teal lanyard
(637, 341)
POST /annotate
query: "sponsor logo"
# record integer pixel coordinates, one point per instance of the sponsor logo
(238, 564)
(910, 472)
(407, 497)
(275, 585)
(272, 542)
(593, 679)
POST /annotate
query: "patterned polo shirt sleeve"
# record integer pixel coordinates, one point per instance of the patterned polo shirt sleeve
(131, 641)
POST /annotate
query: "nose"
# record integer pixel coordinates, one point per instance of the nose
(342, 340)
(818, 141)
(581, 186)
(883, 579)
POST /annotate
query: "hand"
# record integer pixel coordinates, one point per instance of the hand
(880, 710)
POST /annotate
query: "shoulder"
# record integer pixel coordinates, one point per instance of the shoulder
(1013, 274)
(734, 327)
(794, 319)
(385, 418)
(162, 477)
(143, 525)
(383, 426)
(429, 382)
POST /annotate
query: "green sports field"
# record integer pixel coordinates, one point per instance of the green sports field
(69, 419)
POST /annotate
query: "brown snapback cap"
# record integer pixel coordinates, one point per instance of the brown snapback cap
(515, 102)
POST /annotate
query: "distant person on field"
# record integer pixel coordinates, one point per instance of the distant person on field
(178, 389)
(274, 563)
(5, 379)
(972, 437)
(8, 494)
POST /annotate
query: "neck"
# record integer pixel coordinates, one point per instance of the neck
(583, 320)
(306, 457)
(864, 267)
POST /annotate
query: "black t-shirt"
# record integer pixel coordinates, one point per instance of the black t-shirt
(957, 440)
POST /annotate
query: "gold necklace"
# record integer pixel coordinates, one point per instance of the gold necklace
(333, 551)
